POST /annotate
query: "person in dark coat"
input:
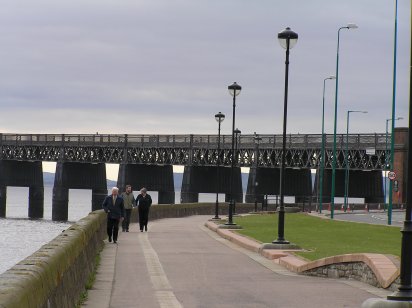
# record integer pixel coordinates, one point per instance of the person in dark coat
(113, 205)
(143, 203)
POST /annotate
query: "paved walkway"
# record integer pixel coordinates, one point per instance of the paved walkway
(180, 263)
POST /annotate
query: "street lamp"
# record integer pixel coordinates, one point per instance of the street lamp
(257, 141)
(322, 156)
(347, 157)
(387, 163)
(332, 201)
(234, 90)
(404, 292)
(219, 117)
(287, 39)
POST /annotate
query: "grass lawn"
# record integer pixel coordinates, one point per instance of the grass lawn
(323, 237)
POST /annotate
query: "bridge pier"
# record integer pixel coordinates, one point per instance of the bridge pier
(77, 176)
(203, 179)
(362, 184)
(23, 174)
(153, 177)
(298, 182)
(3, 198)
(36, 201)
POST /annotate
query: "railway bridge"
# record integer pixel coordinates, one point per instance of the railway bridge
(147, 160)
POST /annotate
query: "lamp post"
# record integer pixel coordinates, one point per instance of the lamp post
(332, 201)
(234, 90)
(404, 292)
(257, 140)
(287, 39)
(237, 136)
(347, 157)
(322, 156)
(219, 117)
(387, 163)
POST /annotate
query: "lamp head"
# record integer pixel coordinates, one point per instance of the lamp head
(237, 131)
(219, 117)
(234, 89)
(286, 36)
(352, 26)
(332, 77)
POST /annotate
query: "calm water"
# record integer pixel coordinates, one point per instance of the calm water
(20, 236)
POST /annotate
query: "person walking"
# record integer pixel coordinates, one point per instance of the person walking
(129, 201)
(113, 205)
(143, 202)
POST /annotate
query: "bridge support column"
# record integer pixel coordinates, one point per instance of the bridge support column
(36, 201)
(60, 203)
(3, 198)
(189, 197)
(153, 177)
(166, 197)
(77, 176)
(98, 195)
(203, 179)
(23, 174)
(298, 182)
(253, 190)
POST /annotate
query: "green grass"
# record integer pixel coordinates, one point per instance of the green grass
(323, 237)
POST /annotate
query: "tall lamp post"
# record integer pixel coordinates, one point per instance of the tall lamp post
(387, 163)
(219, 117)
(332, 197)
(287, 39)
(234, 90)
(404, 292)
(347, 157)
(322, 156)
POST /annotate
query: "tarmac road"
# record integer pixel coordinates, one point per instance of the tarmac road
(372, 217)
(180, 263)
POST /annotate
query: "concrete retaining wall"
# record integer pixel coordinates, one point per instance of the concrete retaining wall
(56, 274)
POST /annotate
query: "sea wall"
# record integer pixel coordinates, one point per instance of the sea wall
(159, 211)
(56, 274)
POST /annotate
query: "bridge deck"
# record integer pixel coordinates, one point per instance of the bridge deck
(365, 151)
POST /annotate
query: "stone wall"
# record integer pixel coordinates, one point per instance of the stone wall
(56, 274)
(351, 270)
(159, 211)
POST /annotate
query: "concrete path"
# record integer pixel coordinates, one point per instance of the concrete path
(180, 263)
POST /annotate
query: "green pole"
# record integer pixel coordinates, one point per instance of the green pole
(322, 155)
(332, 198)
(393, 112)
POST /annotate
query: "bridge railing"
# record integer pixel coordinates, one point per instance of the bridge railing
(298, 141)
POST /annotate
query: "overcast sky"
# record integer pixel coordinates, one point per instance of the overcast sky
(163, 66)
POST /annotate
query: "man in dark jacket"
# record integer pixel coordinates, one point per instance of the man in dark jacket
(114, 207)
(143, 201)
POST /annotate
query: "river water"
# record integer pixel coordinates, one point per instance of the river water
(20, 236)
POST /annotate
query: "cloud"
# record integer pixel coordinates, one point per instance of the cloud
(164, 66)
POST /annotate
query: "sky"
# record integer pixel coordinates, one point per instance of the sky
(163, 66)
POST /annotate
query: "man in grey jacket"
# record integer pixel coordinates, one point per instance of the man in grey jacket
(128, 200)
